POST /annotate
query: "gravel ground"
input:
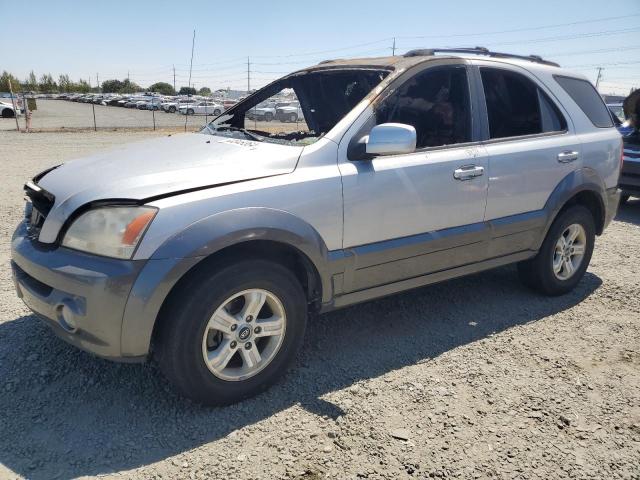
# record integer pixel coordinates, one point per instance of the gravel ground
(473, 378)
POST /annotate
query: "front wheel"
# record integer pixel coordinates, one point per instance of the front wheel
(564, 255)
(217, 112)
(190, 111)
(229, 335)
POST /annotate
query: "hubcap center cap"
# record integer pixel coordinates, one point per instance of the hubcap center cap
(244, 333)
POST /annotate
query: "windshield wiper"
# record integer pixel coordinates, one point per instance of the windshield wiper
(249, 134)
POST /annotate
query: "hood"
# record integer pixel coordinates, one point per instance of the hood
(159, 167)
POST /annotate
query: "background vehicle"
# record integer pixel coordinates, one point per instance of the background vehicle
(411, 170)
(290, 112)
(619, 119)
(7, 110)
(201, 108)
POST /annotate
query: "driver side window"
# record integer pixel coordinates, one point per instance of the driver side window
(435, 102)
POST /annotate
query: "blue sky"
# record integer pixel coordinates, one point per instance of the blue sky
(146, 38)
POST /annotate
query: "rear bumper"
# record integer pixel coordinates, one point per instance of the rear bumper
(81, 297)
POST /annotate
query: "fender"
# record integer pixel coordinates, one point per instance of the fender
(581, 180)
(181, 252)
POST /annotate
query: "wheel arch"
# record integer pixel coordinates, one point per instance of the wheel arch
(274, 235)
(580, 187)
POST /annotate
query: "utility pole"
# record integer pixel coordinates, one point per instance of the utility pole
(248, 76)
(98, 82)
(128, 80)
(174, 78)
(193, 44)
(393, 48)
(599, 76)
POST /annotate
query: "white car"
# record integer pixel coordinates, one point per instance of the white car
(7, 110)
(290, 113)
(202, 108)
(150, 104)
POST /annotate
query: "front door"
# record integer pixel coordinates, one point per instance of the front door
(412, 214)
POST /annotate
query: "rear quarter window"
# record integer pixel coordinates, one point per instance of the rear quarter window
(588, 99)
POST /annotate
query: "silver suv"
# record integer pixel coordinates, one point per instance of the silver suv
(210, 250)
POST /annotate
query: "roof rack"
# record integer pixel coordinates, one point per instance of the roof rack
(427, 52)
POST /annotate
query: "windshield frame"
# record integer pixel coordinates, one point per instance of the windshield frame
(263, 94)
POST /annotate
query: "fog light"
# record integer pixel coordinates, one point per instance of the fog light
(67, 318)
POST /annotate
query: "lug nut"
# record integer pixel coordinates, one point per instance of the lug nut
(233, 344)
(257, 330)
(249, 318)
(247, 346)
(234, 327)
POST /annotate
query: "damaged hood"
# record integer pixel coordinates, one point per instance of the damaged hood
(159, 167)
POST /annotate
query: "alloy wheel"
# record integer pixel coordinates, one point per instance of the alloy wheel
(569, 251)
(244, 334)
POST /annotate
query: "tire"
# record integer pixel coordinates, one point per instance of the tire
(183, 337)
(292, 117)
(217, 112)
(538, 273)
(624, 199)
(8, 113)
(190, 111)
(268, 117)
(172, 109)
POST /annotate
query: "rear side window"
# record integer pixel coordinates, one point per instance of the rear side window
(516, 106)
(588, 99)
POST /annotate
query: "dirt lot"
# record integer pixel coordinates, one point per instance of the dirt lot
(473, 378)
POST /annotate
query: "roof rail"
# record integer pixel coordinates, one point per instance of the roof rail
(427, 52)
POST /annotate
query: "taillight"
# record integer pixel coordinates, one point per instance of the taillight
(621, 153)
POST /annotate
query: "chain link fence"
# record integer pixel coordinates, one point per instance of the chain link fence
(61, 115)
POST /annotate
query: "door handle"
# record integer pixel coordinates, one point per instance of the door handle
(568, 156)
(467, 172)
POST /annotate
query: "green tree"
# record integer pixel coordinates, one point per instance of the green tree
(187, 91)
(65, 84)
(163, 88)
(112, 86)
(47, 84)
(204, 91)
(129, 87)
(5, 78)
(82, 86)
(31, 83)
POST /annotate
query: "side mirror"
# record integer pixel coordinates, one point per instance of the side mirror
(391, 138)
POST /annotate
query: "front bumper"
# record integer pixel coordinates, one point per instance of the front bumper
(81, 296)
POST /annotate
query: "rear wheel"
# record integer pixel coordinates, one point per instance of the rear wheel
(564, 255)
(268, 116)
(217, 112)
(172, 109)
(293, 117)
(8, 113)
(190, 111)
(230, 334)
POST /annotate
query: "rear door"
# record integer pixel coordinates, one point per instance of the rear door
(531, 147)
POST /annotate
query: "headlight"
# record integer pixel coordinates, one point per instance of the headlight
(109, 231)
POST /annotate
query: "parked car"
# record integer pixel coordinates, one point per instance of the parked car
(630, 172)
(173, 106)
(201, 108)
(209, 250)
(227, 104)
(290, 112)
(7, 110)
(263, 111)
(150, 104)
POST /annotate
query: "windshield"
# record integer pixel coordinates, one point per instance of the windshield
(299, 109)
